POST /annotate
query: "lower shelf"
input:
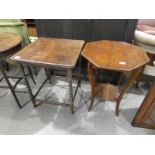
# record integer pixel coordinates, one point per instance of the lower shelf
(106, 91)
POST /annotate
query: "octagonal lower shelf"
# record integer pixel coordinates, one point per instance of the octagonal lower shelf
(106, 91)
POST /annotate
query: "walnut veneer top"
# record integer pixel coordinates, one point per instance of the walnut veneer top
(115, 55)
(51, 51)
(8, 41)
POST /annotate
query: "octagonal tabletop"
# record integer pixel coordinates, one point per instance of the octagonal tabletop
(51, 52)
(115, 55)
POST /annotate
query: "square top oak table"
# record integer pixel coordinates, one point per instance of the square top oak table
(116, 56)
(51, 53)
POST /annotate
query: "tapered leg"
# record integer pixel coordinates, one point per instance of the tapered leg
(27, 85)
(92, 82)
(69, 75)
(134, 76)
(10, 86)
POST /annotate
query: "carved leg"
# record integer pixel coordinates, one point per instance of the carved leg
(69, 75)
(92, 82)
(134, 76)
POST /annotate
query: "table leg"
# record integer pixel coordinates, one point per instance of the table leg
(134, 75)
(69, 76)
(92, 82)
(49, 74)
(9, 85)
(30, 71)
(79, 72)
(27, 85)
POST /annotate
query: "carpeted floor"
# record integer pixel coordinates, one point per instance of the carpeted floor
(49, 119)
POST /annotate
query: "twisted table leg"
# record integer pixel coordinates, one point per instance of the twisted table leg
(69, 75)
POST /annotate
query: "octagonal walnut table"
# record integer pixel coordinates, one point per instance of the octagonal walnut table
(116, 56)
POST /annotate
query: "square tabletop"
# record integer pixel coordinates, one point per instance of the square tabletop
(51, 52)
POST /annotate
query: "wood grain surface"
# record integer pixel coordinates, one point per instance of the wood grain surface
(146, 109)
(106, 91)
(115, 55)
(9, 40)
(51, 51)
